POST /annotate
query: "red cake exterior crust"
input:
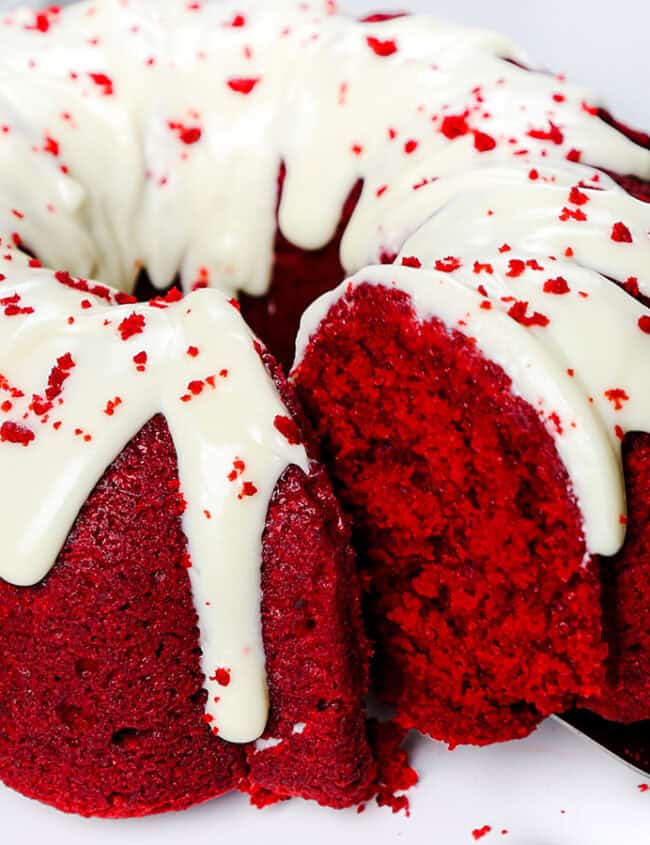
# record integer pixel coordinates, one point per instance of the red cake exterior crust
(101, 698)
(626, 585)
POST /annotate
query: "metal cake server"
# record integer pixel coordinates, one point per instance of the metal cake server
(628, 743)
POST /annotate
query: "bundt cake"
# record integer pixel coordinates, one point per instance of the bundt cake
(179, 607)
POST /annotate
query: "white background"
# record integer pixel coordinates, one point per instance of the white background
(522, 787)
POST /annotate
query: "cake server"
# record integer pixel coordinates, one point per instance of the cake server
(629, 743)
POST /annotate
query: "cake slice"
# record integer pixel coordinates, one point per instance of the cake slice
(472, 423)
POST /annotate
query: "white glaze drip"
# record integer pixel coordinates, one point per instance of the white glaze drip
(203, 373)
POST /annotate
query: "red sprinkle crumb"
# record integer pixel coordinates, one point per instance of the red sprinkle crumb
(411, 261)
(243, 85)
(644, 324)
(186, 134)
(552, 134)
(288, 428)
(572, 214)
(617, 396)
(40, 405)
(448, 264)
(454, 126)
(578, 197)
(111, 405)
(248, 489)
(131, 325)
(556, 286)
(238, 467)
(140, 360)
(519, 310)
(483, 268)
(382, 48)
(11, 432)
(643, 787)
(483, 143)
(161, 302)
(480, 832)
(104, 82)
(515, 268)
(621, 234)
(221, 676)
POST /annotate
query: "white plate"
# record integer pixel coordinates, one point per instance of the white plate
(551, 789)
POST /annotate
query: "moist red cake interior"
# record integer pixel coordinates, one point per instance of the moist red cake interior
(486, 618)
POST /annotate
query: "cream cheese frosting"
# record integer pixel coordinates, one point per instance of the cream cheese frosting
(151, 132)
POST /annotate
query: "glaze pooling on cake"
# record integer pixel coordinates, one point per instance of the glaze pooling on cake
(80, 377)
(155, 131)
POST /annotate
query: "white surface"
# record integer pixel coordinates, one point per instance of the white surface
(521, 787)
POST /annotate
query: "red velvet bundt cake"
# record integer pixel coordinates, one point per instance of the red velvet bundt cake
(179, 613)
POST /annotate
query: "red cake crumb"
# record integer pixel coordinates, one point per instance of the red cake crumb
(382, 48)
(131, 326)
(621, 233)
(454, 615)
(102, 711)
(393, 771)
(243, 85)
(480, 832)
